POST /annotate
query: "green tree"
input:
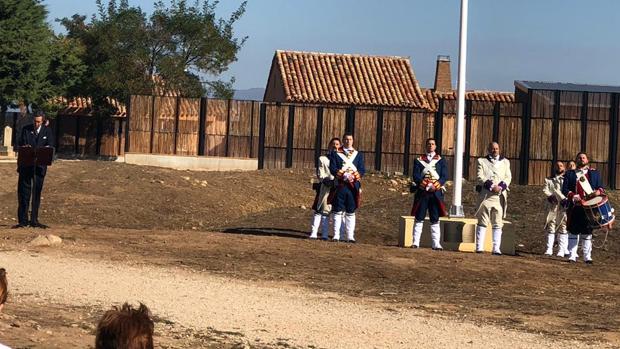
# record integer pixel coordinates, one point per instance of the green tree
(190, 38)
(36, 66)
(65, 72)
(25, 39)
(126, 51)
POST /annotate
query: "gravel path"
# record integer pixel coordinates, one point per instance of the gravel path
(271, 312)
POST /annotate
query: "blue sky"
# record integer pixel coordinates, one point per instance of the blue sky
(547, 40)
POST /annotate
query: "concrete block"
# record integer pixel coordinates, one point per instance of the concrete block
(457, 234)
(196, 163)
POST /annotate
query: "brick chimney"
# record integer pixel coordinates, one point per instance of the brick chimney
(443, 78)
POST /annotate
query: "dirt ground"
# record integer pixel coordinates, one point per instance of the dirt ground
(251, 226)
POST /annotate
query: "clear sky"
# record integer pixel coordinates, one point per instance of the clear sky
(547, 40)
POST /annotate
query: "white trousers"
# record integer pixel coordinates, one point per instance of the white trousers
(340, 225)
(435, 234)
(319, 221)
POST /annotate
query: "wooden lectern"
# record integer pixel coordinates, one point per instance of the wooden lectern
(31, 156)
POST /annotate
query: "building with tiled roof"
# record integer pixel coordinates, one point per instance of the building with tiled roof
(344, 79)
(433, 97)
(83, 106)
(443, 89)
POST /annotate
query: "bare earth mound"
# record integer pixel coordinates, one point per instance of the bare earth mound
(115, 213)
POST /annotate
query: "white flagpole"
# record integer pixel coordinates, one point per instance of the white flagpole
(457, 203)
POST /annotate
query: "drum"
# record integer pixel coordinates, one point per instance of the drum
(599, 212)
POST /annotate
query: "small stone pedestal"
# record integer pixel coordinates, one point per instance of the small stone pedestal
(6, 150)
(457, 234)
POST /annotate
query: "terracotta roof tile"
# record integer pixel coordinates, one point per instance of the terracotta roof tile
(311, 77)
(83, 106)
(475, 95)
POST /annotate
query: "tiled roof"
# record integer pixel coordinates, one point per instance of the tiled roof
(83, 106)
(487, 96)
(311, 77)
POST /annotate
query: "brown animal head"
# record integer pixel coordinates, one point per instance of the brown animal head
(125, 328)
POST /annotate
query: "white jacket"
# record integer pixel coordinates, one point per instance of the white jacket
(497, 172)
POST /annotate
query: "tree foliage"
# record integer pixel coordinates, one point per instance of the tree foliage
(24, 55)
(127, 52)
(35, 64)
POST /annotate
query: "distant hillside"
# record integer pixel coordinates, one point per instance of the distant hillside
(255, 94)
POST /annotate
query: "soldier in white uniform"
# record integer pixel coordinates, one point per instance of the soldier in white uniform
(556, 211)
(323, 189)
(494, 177)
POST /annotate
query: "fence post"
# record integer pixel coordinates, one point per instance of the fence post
(252, 131)
(496, 111)
(226, 146)
(407, 150)
(525, 139)
(120, 131)
(439, 125)
(613, 144)
(202, 125)
(14, 130)
(319, 136)
(467, 150)
(350, 121)
(379, 139)
(555, 129)
(77, 135)
(176, 124)
(152, 124)
(261, 135)
(98, 137)
(289, 136)
(57, 133)
(126, 129)
(584, 120)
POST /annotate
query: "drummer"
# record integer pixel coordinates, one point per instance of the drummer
(579, 185)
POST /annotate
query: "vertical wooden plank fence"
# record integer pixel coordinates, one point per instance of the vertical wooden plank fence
(554, 126)
(87, 136)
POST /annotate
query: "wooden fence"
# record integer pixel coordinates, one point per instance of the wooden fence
(531, 135)
(193, 126)
(562, 123)
(87, 136)
(296, 135)
(391, 140)
(484, 122)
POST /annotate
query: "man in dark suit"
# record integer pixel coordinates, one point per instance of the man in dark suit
(430, 173)
(580, 185)
(36, 135)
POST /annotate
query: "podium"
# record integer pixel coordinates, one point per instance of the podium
(34, 156)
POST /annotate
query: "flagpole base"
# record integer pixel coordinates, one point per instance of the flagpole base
(457, 211)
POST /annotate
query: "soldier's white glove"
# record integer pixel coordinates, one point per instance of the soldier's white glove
(429, 187)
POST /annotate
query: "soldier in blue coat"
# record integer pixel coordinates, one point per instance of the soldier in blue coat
(30, 182)
(430, 173)
(579, 185)
(347, 167)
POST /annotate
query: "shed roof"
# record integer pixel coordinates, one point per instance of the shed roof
(473, 95)
(563, 86)
(312, 77)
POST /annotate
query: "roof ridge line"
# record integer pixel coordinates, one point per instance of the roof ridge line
(343, 54)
